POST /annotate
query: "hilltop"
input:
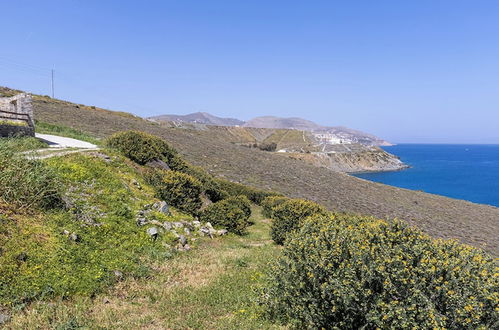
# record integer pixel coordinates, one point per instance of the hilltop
(334, 133)
(211, 149)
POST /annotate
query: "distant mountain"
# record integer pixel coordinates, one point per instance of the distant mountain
(277, 122)
(200, 118)
(332, 133)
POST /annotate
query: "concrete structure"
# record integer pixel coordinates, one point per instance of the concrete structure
(16, 116)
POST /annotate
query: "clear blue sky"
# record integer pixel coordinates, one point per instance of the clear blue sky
(408, 71)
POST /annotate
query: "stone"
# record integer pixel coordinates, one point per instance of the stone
(167, 225)
(187, 231)
(106, 300)
(196, 223)
(153, 232)
(156, 163)
(65, 232)
(74, 237)
(164, 208)
(4, 318)
(23, 256)
(177, 224)
(141, 221)
(222, 232)
(187, 247)
(182, 239)
(118, 275)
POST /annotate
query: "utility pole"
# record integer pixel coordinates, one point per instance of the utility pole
(52, 83)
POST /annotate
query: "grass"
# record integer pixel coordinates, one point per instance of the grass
(13, 123)
(20, 144)
(211, 286)
(61, 130)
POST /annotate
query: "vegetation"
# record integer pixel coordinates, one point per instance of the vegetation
(349, 272)
(181, 190)
(269, 203)
(141, 147)
(288, 216)
(62, 130)
(231, 214)
(13, 122)
(26, 183)
(21, 144)
(236, 189)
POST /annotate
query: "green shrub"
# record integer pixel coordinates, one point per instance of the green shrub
(227, 214)
(211, 186)
(143, 148)
(348, 272)
(241, 202)
(236, 189)
(181, 191)
(269, 203)
(288, 216)
(27, 182)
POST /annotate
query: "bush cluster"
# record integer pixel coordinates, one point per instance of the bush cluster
(232, 214)
(288, 216)
(236, 189)
(269, 203)
(349, 272)
(180, 190)
(143, 148)
(27, 182)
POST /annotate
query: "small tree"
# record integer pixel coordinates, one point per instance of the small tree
(181, 190)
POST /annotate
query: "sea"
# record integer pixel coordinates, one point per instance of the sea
(469, 172)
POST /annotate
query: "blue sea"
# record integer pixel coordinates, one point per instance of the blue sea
(469, 172)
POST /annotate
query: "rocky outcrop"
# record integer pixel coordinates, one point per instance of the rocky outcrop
(353, 158)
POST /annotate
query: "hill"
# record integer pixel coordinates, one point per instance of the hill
(211, 149)
(200, 118)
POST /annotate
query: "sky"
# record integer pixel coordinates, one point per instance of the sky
(424, 71)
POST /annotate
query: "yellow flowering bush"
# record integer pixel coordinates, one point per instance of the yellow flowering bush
(270, 202)
(181, 190)
(288, 216)
(232, 214)
(350, 272)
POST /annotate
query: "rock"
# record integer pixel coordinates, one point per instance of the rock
(222, 232)
(208, 225)
(153, 232)
(182, 239)
(118, 275)
(65, 232)
(105, 300)
(4, 318)
(74, 237)
(136, 184)
(163, 208)
(156, 163)
(141, 221)
(177, 224)
(22, 257)
(205, 231)
(187, 247)
(167, 225)
(187, 231)
(196, 223)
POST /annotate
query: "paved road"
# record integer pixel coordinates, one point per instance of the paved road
(55, 141)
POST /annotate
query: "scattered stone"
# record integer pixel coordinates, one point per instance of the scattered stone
(177, 224)
(156, 163)
(4, 318)
(187, 231)
(187, 247)
(136, 184)
(141, 221)
(106, 300)
(167, 225)
(222, 232)
(118, 275)
(182, 239)
(196, 223)
(65, 232)
(205, 231)
(74, 237)
(153, 232)
(163, 208)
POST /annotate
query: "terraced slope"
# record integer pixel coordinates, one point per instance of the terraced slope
(210, 148)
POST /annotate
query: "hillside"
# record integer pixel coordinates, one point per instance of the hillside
(337, 133)
(439, 216)
(199, 118)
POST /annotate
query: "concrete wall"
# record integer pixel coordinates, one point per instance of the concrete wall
(18, 109)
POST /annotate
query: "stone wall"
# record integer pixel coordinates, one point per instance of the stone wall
(16, 116)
